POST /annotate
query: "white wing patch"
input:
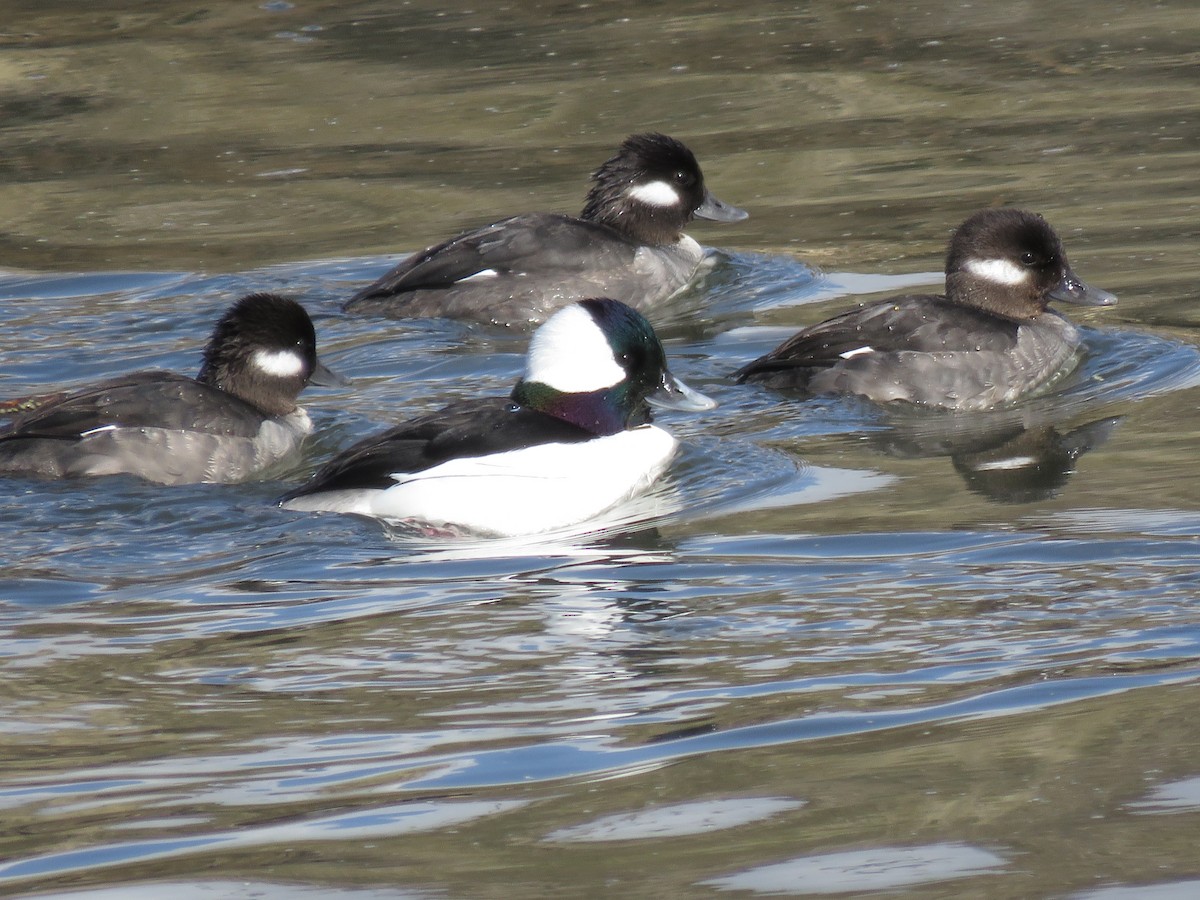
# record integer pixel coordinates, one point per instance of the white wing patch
(997, 271)
(481, 275)
(570, 353)
(99, 430)
(857, 351)
(654, 193)
(280, 363)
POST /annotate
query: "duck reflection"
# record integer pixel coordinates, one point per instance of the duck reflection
(1011, 457)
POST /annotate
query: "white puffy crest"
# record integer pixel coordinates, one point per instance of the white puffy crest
(570, 353)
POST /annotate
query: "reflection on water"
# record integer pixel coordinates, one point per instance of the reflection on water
(881, 869)
(1180, 796)
(223, 890)
(679, 820)
(820, 657)
(1002, 458)
(378, 822)
(1179, 890)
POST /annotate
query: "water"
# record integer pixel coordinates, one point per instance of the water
(837, 651)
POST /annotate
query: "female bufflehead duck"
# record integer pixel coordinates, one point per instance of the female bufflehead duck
(236, 417)
(572, 440)
(986, 342)
(628, 242)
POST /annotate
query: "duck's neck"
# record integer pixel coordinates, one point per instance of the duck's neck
(601, 412)
(636, 222)
(978, 293)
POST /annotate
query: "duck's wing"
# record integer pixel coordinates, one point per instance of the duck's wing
(139, 400)
(517, 246)
(915, 323)
(470, 428)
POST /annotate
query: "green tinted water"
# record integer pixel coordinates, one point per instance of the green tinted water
(843, 663)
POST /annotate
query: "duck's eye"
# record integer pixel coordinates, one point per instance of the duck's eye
(683, 177)
(1027, 258)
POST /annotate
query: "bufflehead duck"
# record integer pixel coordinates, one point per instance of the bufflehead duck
(237, 416)
(572, 440)
(986, 342)
(628, 242)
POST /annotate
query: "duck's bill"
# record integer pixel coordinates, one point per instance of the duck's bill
(674, 394)
(323, 376)
(1073, 289)
(719, 211)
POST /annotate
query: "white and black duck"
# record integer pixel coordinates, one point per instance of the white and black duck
(574, 439)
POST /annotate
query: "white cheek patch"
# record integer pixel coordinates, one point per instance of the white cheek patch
(280, 363)
(481, 275)
(570, 353)
(1012, 462)
(858, 351)
(997, 271)
(655, 193)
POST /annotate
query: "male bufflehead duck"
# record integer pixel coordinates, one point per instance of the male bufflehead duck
(236, 417)
(986, 342)
(628, 242)
(572, 440)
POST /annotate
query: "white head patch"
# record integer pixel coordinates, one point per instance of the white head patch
(280, 363)
(997, 271)
(570, 353)
(654, 193)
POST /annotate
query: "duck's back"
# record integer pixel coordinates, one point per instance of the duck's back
(921, 349)
(160, 426)
(521, 270)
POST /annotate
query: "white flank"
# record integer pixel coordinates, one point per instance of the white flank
(534, 489)
(997, 271)
(280, 363)
(481, 274)
(857, 351)
(570, 353)
(528, 491)
(655, 193)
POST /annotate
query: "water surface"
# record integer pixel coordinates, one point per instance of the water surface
(838, 650)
